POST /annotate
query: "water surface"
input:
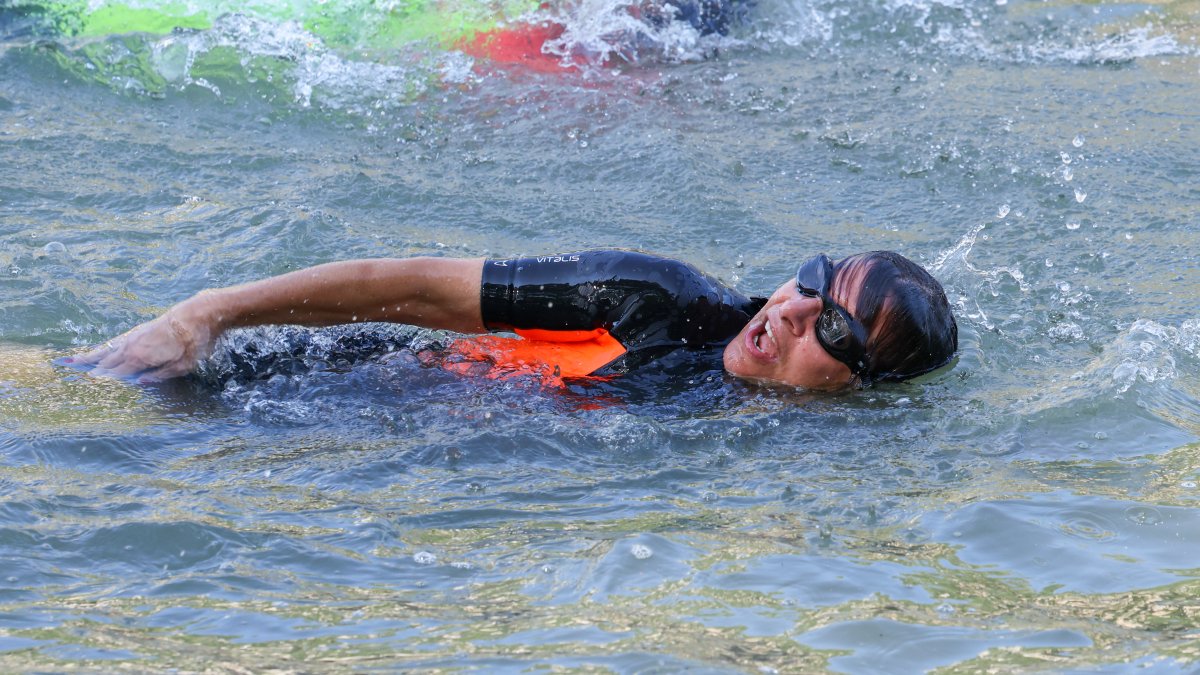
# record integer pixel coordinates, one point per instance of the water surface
(1033, 507)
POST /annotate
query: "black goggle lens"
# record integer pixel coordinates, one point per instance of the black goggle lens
(835, 331)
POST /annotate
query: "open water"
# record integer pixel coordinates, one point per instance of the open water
(1035, 507)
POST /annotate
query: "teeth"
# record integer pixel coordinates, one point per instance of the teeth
(758, 338)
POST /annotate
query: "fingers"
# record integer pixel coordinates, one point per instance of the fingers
(91, 358)
(112, 359)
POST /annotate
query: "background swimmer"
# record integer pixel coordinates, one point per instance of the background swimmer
(871, 317)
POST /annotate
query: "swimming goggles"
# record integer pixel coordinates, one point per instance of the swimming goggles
(842, 336)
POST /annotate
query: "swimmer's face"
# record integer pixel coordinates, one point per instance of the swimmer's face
(780, 344)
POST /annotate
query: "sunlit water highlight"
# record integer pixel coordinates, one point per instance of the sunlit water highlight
(1032, 508)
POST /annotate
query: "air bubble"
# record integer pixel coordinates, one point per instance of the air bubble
(54, 247)
(1065, 157)
(424, 558)
(1077, 141)
(641, 551)
(1080, 195)
(1002, 211)
(1068, 174)
(1072, 226)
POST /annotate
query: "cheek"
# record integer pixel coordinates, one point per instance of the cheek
(812, 367)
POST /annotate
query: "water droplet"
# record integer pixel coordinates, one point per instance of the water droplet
(1068, 173)
(547, 569)
(1064, 287)
(1189, 484)
(1002, 211)
(641, 551)
(1072, 226)
(1080, 195)
(54, 247)
(1066, 158)
(267, 473)
(945, 608)
(424, 558)
(1077, 141)
(1143, 515)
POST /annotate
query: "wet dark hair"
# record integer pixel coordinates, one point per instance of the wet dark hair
(904, 309)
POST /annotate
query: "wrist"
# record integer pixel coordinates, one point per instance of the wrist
(207, 313)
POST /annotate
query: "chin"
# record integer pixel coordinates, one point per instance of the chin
(732, 361)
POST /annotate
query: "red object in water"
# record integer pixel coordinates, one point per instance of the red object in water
(520, 45)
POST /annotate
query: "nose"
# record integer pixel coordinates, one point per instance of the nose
(798, 313)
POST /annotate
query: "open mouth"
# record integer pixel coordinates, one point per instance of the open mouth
(762, 339)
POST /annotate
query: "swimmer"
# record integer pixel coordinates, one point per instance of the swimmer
(526, 43)
(868, 318)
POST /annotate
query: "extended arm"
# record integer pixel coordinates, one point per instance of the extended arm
(429, 292)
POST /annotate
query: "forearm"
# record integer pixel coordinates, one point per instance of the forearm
(431, 292)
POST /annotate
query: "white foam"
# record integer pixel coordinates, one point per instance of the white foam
(317, 75)
(1137, 43)
(605, 31)
(1147, 351)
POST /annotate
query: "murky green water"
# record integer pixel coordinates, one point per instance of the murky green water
(1033, 508)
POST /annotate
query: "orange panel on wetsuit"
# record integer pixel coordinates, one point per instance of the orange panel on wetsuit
(549, 354)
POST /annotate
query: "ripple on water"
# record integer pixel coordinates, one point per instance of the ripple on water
(881, 645)
(1073, 543)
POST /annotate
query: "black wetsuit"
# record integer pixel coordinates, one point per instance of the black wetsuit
(650, 304)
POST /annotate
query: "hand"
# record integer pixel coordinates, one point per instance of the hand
(169, 346)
